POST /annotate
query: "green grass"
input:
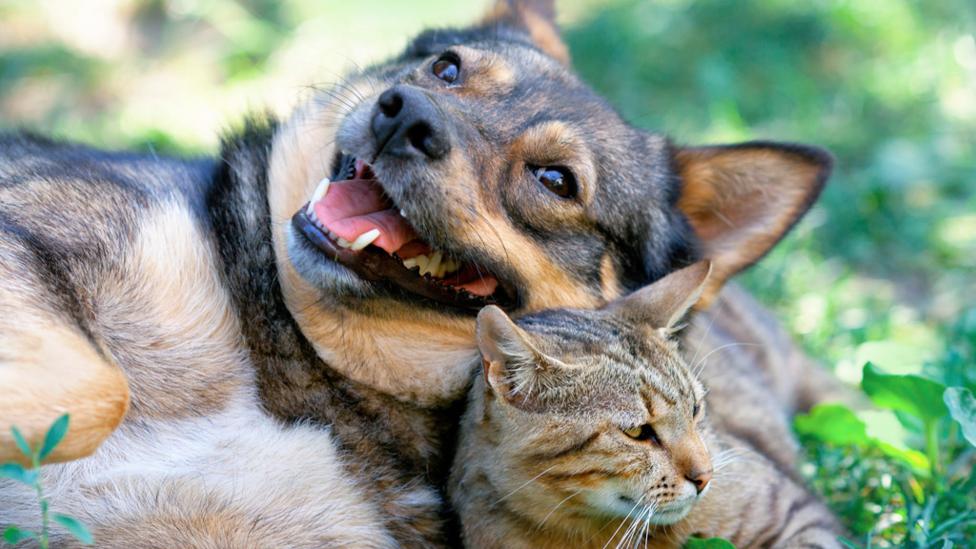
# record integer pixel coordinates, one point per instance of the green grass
(881, 270)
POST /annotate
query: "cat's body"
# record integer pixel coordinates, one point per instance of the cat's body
(583, 482)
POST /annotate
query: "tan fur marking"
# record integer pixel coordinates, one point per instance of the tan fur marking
(610, 279)
(50, 370)
(168, 322)
(486, 73)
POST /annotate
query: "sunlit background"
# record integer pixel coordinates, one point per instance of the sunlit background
(883, 269)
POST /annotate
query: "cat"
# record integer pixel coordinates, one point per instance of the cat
(589, 429)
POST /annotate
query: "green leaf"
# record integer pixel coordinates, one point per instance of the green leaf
(77, 529)
(710, 543)
(18, 473)
(918, 461)
(834, 424)
(14, 535)
(21, 442)
(962, 407)
(54, 435)
(916, 395)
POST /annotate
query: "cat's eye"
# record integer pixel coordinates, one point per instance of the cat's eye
(447, 67)
(556, 179)
(642, 433)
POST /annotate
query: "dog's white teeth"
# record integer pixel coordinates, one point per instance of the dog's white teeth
(320, 190)
(342, 242)
(450, 266)
(403, 213)
(421, 261)
(365, 239)
(435, 264)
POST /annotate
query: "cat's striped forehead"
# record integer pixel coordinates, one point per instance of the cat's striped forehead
(606, 344)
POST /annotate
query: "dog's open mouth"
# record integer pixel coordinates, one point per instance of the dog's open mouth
(353, 222)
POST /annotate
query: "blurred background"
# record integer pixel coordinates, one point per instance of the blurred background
(883, 270)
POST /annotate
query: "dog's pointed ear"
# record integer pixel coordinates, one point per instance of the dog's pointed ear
(664, 303)
(535, 17)
(512, 364)
(742, 199)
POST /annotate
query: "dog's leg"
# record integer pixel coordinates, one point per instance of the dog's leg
(49, 367)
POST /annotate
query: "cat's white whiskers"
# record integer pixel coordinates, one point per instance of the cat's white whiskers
(647, 524)
(624, 521)
(726, 457)
(558, 505)
(708, 330)
(700, 365)
(635, 523)
(632, 529)
(526, 483)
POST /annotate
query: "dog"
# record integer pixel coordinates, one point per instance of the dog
(267, 348)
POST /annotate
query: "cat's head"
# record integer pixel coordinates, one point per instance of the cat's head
(594, 414)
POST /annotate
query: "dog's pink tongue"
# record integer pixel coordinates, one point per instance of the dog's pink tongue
(353, 207)
(483, 287)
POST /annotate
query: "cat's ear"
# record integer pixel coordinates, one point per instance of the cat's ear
(537, 18)
(512, 363)
(664, 303)
(742, 199)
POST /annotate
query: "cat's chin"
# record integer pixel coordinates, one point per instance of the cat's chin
(671, 514)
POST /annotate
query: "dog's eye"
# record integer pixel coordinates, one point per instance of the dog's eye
(643, 433)
(696, 409)
(447, 67)
(558, 180)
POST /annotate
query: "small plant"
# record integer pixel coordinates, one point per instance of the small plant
(888, 493)
(32, 477)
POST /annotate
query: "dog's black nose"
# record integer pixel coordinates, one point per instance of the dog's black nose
(408, 124)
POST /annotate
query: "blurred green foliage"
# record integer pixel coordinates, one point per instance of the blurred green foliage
(880, 271)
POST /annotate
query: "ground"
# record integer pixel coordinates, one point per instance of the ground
(881, 271)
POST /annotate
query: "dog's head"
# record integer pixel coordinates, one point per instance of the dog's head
(477, 168)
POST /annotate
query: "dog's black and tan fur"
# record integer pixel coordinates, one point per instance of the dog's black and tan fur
(241, 388)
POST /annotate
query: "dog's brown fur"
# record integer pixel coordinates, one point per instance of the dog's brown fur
(331, 397)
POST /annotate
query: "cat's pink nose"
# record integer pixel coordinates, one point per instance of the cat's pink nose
(700, 479)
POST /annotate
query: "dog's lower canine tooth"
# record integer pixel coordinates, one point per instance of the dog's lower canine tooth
(343, 242)
(365, 239)
(410, 263)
